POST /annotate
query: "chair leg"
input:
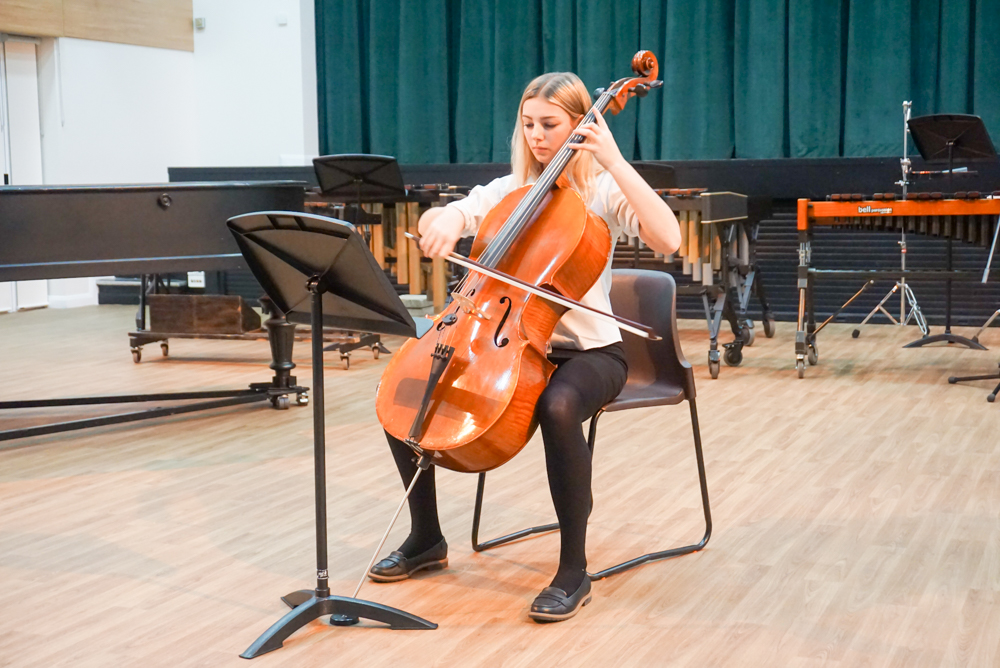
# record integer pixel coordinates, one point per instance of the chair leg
(543, 528)
(486, 545)
(677, 551)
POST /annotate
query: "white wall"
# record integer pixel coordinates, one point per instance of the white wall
(255, 82)
(114, 113)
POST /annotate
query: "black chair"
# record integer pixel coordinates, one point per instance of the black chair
(658, 376)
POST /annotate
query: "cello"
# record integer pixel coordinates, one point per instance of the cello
(463, 396)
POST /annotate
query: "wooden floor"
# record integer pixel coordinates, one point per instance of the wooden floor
(857, 516)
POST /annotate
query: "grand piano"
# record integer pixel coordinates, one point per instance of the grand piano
(73, 231)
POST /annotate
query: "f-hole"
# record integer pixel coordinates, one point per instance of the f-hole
(496, 335)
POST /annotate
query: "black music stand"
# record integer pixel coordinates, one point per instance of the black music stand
(310, 262)
(366, 178)
(942, 139)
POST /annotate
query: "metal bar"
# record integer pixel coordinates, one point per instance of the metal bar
(319, 443)
(73, 425)
(129, 398)
(846, 304)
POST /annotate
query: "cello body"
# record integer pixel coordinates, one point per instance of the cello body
(482, 410)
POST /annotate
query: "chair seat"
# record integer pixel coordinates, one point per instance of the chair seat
(657, 393)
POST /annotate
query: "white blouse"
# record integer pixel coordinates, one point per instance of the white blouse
(576, 329)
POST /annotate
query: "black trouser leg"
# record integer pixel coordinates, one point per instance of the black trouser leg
(425, 530)
(579, 388)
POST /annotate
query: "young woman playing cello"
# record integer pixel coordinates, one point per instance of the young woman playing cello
(551, 108)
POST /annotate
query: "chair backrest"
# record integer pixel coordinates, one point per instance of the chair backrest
(650, 297)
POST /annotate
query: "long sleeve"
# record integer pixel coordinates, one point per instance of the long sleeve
(480, 201)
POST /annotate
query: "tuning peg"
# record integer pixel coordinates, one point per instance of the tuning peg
(641, 90)
(656, 84)
(598, 92)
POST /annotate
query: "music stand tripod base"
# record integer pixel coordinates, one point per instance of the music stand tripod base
(947, 337)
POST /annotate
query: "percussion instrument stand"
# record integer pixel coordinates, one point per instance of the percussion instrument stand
(906, 296)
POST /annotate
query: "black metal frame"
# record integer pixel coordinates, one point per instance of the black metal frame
(632, 563)
(992, 396)
(281, 335)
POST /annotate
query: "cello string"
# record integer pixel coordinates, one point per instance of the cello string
(522, 213)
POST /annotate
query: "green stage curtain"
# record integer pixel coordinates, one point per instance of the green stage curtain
(433, 81)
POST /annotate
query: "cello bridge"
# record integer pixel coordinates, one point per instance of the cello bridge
(468, 306)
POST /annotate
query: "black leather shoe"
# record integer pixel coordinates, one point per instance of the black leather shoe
(553, 605)
(396, 567)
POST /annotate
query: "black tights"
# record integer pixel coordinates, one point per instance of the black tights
(580, 386)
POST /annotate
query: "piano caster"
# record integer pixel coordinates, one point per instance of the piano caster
(375, 351)
(747, 334)
(165, 349)
(302, 399)
(346, 359)
(281, 402)
(813, 354)
(137, 354)
(800, 367)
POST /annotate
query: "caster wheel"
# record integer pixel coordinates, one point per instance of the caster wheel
(800, 367)
(165, 349)
(856, 333)
(747, 334)
(713, 368)
(733, 356)
(813, 355)
(375, 352)
(952, 380)
(302, 399)
(346, 359)
(281, 402)
(136, 355)
(769, 327)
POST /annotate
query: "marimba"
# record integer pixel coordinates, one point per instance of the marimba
(717, 252)
(384, 225)
(965, 216)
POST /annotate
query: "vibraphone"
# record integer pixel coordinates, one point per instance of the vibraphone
(717, 252)
(384, 224)
(965, 216)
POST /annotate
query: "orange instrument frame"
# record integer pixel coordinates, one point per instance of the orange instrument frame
(840, 213)
(852, 212)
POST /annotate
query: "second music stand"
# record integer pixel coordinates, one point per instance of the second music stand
(942, 139)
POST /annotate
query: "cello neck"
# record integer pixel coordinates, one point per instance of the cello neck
(533, 199)
(555, 168)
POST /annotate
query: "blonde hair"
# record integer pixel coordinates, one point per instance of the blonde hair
(565, 90)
